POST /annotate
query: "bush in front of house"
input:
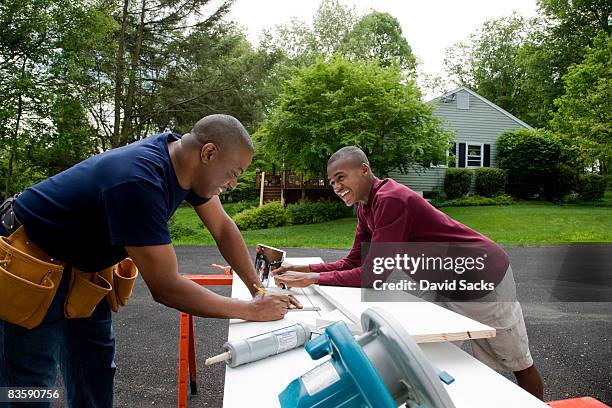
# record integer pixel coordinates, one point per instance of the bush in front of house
(457, 182)
(309, 212)
(562, 182)
(489, 181)
(531, 160)
(591, 187)
(474, 200)
(269, 215)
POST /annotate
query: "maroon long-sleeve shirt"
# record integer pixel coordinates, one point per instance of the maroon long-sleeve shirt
(395, 213)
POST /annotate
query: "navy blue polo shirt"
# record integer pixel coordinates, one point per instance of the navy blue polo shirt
(87, 214)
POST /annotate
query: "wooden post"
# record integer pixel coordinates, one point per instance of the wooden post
(261, 188)
(282, 188)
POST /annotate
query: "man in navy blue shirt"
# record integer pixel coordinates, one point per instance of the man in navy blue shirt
(114, 205)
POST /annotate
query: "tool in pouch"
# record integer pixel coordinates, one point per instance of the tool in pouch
(29, 280)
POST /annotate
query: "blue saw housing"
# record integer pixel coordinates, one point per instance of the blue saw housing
(381, 368)
(358, 383)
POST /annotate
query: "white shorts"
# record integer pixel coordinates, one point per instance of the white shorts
(509, 349)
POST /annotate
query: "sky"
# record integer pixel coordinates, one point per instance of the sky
(430, 26)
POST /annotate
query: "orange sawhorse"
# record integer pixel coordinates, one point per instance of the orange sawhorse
(583, 402)
(187, 361)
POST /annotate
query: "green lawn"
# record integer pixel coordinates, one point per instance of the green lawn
(525, 223)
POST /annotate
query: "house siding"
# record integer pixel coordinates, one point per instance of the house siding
(481, 124)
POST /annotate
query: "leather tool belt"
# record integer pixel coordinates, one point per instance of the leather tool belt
(29, 279)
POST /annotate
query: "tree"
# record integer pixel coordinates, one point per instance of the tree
(336, 103)
(490, 64)
(145, 31)
(378, 36)
(584, 116)
(337, 29)
(39, 44)
(211, 71)
(519, 64)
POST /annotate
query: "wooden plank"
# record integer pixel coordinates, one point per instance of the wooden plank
(424, 321)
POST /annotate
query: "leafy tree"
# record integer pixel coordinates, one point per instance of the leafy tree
(335, 103)
(211, 71)
(490, 63)
(38, 57)
(378, 36)
(519, 64)
(302, 43)
(145, 30)
(337, 29)
(584, 116)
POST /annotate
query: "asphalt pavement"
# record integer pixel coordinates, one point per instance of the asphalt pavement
(565, 292)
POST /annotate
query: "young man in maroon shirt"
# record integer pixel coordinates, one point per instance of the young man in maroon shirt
(389, 212)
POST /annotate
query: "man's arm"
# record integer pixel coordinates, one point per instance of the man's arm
(159, 269)
(229, 241)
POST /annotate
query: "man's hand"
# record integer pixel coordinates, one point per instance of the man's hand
(294, 279)
(290, 268)
(271, 307)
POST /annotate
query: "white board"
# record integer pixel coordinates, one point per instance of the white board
(424, 321)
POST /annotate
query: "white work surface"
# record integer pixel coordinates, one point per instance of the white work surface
(259, 383)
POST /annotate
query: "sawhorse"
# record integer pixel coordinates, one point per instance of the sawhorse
(187, 361)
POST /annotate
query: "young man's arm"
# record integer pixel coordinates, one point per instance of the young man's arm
(306, 275)
(159, 269)
(392, 223)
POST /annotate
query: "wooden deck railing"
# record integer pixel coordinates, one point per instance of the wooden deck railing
(291, 180)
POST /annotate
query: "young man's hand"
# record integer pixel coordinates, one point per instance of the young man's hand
(290, 268)
(292, 279)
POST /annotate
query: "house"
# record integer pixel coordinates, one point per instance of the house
(477, 124)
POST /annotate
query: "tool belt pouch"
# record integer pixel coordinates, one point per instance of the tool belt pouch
(85, 292)
(29, 279)
(123, 276)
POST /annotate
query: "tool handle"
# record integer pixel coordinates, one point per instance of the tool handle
(219, 358)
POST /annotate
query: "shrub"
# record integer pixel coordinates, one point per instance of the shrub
(234, 208)
(178, 230)
(489, 181)
(530, 158)
(242, 192)
(269, 215)
(474, 200)
(562, 182)
(308, 212)
(591, 187)
(457, 182)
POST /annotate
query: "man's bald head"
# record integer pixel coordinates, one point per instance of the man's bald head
(353, 154)
(221, 130)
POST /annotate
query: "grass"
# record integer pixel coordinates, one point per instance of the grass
(525, 223)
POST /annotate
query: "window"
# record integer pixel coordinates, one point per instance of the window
(463, 100)
(474, 155)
